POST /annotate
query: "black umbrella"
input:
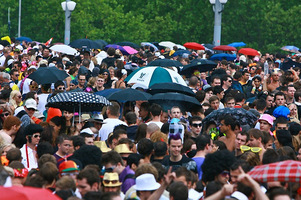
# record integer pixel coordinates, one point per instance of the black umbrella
(78, 102)
(202, 65)
(170, 87)
(243, 116)
(165, 63)
(170, 99)
(129, 94)
(131, 44)
(5, 43)
(288, 63)
(102, 43)
(46, 75)
(85, 43)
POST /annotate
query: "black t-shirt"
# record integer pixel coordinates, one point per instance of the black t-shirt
(110, 61)
(184, 162)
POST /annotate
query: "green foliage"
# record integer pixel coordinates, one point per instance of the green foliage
(266, 25)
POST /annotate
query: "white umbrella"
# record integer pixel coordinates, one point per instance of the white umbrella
(168, 44)
(150, 75)
(62, 48)
(180, 47)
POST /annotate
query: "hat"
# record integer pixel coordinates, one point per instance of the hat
(281, 111)
(53, 112)
(32, 67)
(38, 115)
(102, 146)
(268, 118)
(122, 148)
(19, 47)
(31, 103)
(33, 128)
(205, 87)
(97, 118)
(66, 59)
(111, 179)
(85, 117)
(68, 166)
(146, 182)
(87, 130)
(1, 47)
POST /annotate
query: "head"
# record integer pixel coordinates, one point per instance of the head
(227, 124)
(241, 139)
(256, 138)
(281, 123)
(216, 81)
(279, 99)
(229, 102)
(195, 123)
(88, 180)
(64, 144)
(176, 112)
(33, 133)
(175, 147)
(214, 102)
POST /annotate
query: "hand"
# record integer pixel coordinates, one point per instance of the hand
(246, 179)
(227, 189)
(169, 177)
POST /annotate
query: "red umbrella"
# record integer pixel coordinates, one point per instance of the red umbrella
(194, 46)
(225, 48)
(285, 171)
(248, 51)
(24, 193)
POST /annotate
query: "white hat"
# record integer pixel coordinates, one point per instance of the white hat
(87, 130)
(157, 54)
(66, 59)
(19, 47)
(146, 182)
(31, 103)
(1, 47)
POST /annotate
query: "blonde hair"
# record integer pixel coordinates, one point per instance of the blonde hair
(158, 136)
(12, 95)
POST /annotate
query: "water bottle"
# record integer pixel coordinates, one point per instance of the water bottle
(266, 68)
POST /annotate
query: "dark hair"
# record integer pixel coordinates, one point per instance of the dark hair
(145, 147)
(111, 51)
(229, 120)
(279, 94)
(284, 138)
(60, 121)
(178, 191)
(60, 139)
(261, 104)
(270, 156)
(90, 174)
(133, 158)
(95, 155)
(131, 118)
(155, 109)
(202, 141)
(112, 157)
(274, 192)
(239, 97)
(114, 109)
(213, 187)
(281, 120)
(44, 148)
(194, 118)
(217, 89)
(13, 154)
(160, 148)
(78, 141)
(221, 145)
(256, 134)
(58, 83)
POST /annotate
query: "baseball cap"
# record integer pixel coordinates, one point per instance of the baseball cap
(68, 166)
(31, 103)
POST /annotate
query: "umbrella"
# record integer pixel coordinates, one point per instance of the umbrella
(131, 44)
(225, 48)
(181, 52)
(284, 171)
(194, 45)
(165, 63)
(78, 102)
(170, 87)
(248, 52)
(181, 47)
(223, 56)
(202, 65)
(26, 193)
(288, 63)
(237, 44)
(150, 75)
(62, 48)
(129, 94)
(170, 99)
(168, 44)
(107, 92)
(243, 116)
(46, 75)
(149, 44)
(5, 43)
(27, 39)
(102, 43)
(115, 46)
(130, 50)
(85, 43)
(292, 49)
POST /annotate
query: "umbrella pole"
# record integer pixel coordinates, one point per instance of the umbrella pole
(73, 116)
(79, 113)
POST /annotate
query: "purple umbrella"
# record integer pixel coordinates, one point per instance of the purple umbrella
(115, 46)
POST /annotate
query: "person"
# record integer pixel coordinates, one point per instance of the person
(28, 151)
(145, 148)
(111, 183)
(88, 180)
(81, 81)
(216, 80)
(256, 140)
(11, 126)
(229, 102)
(178, 191)
(195, 124)
(155, 111)
(145, 185)
(242, 138)
(64, 143)
(227, 127)
(144, 113)
(226, 82)
(214, 102)
(99, 83)
(15, 99)
(113, 112)
(266, 123)
(131, 120)
(290, 94)
(274, 82)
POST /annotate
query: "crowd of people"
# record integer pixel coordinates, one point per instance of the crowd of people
(138, 150)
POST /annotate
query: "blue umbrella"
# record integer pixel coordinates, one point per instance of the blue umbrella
(85, 43)
(292, 49)
(131, 44)
(115, 46)
(165, 63)
(107, 92)
(237, 44)
(181, 52)
(129, 94)
(223, 56)
(149, 44)
(102, 43)
(27, 39)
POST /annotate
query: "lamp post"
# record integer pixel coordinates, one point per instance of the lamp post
(68, 6)
(218, 7)
(19, 23)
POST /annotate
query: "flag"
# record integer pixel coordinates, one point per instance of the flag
(48, 42)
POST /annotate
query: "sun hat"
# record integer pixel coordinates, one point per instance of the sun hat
(122, 148)
(102, 146)
(68, 166)
(111, 179)
(268, 118)
(31, 103)
(146, 182)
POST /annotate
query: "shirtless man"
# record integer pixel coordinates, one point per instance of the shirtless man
(275, 83)
(227, 126)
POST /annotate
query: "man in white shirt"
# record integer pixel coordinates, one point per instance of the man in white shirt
(113, 113)
(155, 111)
(28, 151)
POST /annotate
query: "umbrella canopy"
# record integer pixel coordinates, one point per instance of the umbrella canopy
(149, 44)
(170, 99)
(202, 65)
(130, 50)
(225, 48)
(243, 116)
(249, 51)
(5, 43)
(181, 47)
(165, 63)
(85, 43)
(150, 75)
(46, 75)
(131, 44)
(223, 56)
(102, 43)
(170, 87)
(26, 193)
(181, 52)
(292, 49)
(168, 44)
(129, 94)
(194, 45)
(78, 102)
(62, 48)
(27, 39)
(285, 171)
(107, 92)
(288, 63)
(237, 44)
(115, 46)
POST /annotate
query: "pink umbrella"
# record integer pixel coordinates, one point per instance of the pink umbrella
(130, 50)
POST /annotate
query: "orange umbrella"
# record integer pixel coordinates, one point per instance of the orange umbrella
(194, 46)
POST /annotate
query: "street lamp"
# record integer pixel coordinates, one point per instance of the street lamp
(218, 7)
(68, 6)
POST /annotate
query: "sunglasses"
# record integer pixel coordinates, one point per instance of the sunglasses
(244, 148)
(19, 97)
(36, 136)
(5, 114)
(225, 173)
(110, 181)
(69, 174)
(34, 87)
(196, 125)
(110, 169)
(105, 74)
(31, 109)
(230, 81)
(61, 88)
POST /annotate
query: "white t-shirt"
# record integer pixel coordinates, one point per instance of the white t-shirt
(42, 102)
(108, 127)
(160, 124)
(26, 84)
(30, 155)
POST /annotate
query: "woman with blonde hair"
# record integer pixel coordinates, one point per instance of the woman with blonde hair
(15, 99)
(293, 113)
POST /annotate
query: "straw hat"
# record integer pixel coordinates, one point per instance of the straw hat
(122, 148)
(111, 179)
